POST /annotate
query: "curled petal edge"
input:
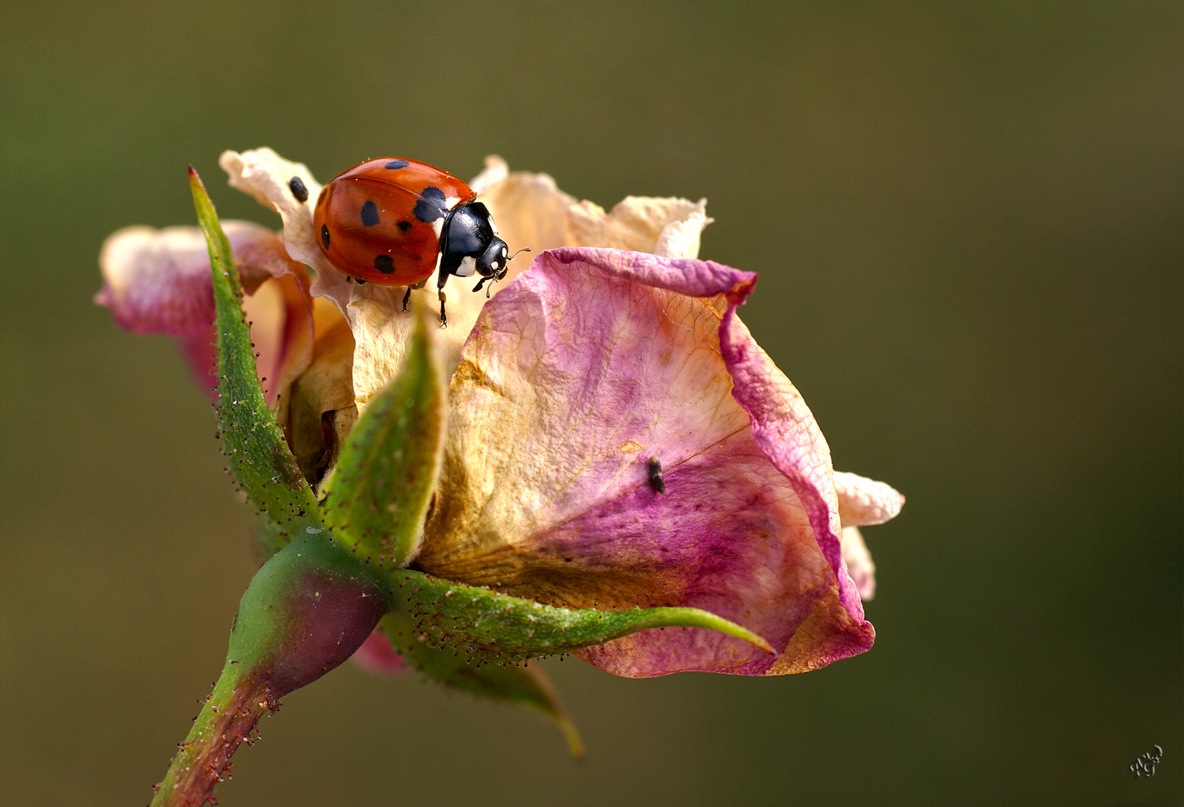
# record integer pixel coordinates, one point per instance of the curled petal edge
(864, 502)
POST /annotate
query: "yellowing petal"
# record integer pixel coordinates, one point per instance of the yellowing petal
(266, 176)
(666, 227)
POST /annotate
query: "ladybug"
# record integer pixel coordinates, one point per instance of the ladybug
(394, 221)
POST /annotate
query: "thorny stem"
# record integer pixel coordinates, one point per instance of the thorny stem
(227, 719)
(308, 608)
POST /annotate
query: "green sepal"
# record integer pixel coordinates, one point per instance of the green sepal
(521, 686)
(493, 627)
(259, 457)
(377, 497)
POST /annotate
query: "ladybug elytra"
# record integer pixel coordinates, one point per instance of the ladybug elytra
(393, 221)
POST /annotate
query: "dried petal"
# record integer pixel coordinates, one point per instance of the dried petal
(575, 376)
(158, 281)
(529, 209)
(321, 409)
(267, 177)
(667, 227)
(859, 562)
(864, 502)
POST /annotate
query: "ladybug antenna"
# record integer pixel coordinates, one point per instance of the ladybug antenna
(519, 252)
(481, 284)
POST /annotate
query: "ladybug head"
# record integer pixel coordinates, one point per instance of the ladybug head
(468, 233)
(495, 260)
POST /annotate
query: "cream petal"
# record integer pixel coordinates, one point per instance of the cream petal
(266, 176)
(382, 331)
(529, 211)
(666, 227)
(864, 502)
(496, 170)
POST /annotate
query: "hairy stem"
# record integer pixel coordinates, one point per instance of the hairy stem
(308, 608)
(226, 721)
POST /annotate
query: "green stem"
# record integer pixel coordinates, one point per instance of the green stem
(226, 721)
(308, 608)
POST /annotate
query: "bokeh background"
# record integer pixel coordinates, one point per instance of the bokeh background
(968, 222)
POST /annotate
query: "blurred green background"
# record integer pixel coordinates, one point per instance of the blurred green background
(968, 223)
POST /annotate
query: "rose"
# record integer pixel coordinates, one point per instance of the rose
(544, 491)
(620, 454)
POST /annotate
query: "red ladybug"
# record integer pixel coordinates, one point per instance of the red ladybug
(394, 221)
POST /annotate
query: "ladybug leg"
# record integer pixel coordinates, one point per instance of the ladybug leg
(407, 296)
(441, 279)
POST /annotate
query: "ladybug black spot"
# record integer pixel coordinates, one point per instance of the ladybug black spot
(395, 165)
(384, 264)
(325, 235)
(369, 214)
(296, 185)
(404, 226)
(430, 205)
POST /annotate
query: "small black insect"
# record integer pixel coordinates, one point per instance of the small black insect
(654, 466)
(296, 185)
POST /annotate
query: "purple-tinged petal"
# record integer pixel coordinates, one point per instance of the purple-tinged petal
(864, 502)
(786, 431)
(589, 365)
(158, 282)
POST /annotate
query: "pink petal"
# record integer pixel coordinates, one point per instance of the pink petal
(158, 281)
(787, 432)
(376, 656)
(859, 562)
(579, 372)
